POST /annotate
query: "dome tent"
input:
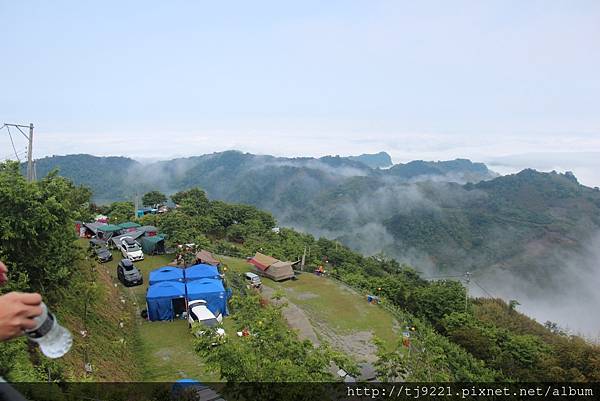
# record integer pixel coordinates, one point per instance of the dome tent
(165, 273)
(211, 291)
(200, 271)
(165, 299)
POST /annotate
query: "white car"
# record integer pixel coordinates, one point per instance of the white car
(253, 280)
(131, 249)
(199, 312)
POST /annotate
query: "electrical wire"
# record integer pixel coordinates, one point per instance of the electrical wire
(8, 156)
(12, 142)
(484, 290)
(439, 277)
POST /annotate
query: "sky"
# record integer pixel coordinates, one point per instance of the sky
(514, 84)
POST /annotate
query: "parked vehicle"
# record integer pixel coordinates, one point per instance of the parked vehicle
(128, 274)
(199, 312)
(253, 280)
(103, 255)
(96, 243)
(131, 249)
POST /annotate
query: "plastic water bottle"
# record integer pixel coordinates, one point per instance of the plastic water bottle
(54, 340)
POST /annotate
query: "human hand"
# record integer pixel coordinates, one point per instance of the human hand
(3, 271)
(17, 311)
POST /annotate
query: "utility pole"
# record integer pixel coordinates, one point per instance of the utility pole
(30, 172)
(303, 259)
(467, 280)
(30, 154)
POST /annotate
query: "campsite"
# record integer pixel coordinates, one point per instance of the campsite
(366, 315)
(318, 309)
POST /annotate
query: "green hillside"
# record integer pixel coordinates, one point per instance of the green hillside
(454, 337)
(530, 231)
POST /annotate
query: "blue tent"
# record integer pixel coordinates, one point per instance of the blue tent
(165, 273)
(211, 291)
(201, 271)
(160, 297)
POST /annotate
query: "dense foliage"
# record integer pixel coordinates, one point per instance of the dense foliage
(37, 245)
(36, 228)
(458, 338)
(154, 198)
(415, 211)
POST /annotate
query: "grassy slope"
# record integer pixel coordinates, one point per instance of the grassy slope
(165, 349)
(331, 305)
(111, 358)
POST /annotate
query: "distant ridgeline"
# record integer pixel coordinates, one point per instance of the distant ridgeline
(452, 216)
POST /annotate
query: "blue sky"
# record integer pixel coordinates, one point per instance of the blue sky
(432, 80)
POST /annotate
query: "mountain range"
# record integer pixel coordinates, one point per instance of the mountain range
(523, 235)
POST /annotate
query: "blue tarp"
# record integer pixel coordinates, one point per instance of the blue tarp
(201, 271)
(211, 291)
(159, 299)
(165, 273)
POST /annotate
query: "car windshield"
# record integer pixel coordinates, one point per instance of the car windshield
(128, 267)
(132, 247)
(210, 322)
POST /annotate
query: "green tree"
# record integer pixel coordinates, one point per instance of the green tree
(438, 299)
(121, 212)
(192, 202)
(37, 244)
(37, 228)
(154, 198)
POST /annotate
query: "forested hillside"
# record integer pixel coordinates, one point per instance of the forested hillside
(526, 234)
(460, 338)
(463, 339)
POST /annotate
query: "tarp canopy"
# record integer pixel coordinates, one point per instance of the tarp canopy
(134, 234)
(128, 224)
(206, 257)
(279, 271)
(93, 227)
(159, 299)
(263, 261)
(165, 273)
(109, 228)
(211, 291)
(153, 245)
(200, 271)
(272, 268)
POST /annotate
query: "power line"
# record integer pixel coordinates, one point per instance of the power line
(12, 142)
(10, 155)
(440, 277)
(484, 290)
(30, 166)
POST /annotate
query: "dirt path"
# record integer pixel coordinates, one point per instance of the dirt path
(296, 318)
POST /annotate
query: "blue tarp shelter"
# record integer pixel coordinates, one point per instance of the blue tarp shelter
(163, 299)
(200, 271)
(211, 291)
(165, 273)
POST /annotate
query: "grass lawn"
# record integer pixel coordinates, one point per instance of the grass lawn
(165, 349)
(168, 351)
(332, 304)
